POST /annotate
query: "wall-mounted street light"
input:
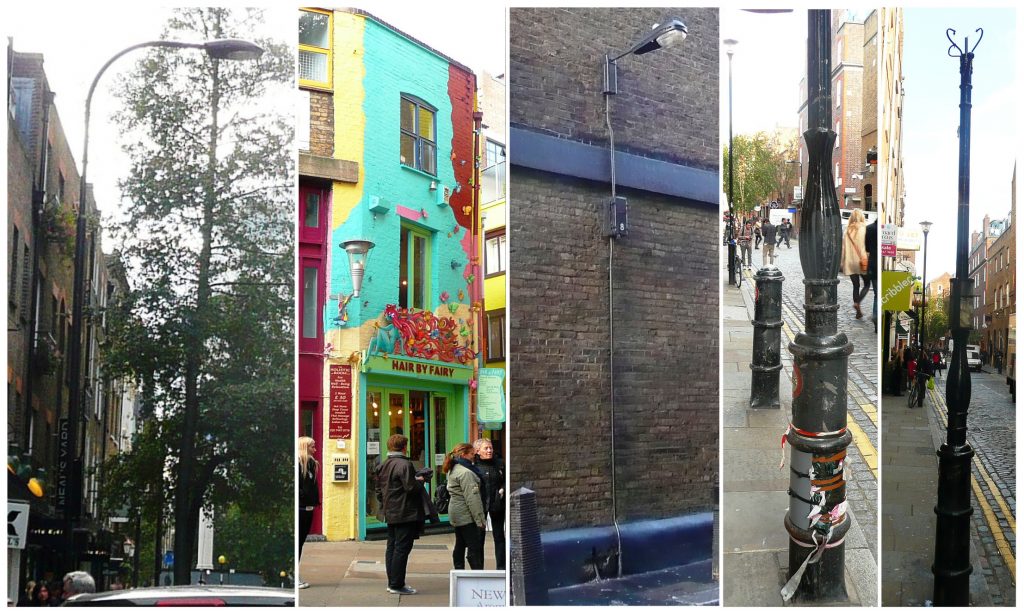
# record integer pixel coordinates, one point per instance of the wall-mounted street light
(669, 33)
(358, 250)
(224, 49)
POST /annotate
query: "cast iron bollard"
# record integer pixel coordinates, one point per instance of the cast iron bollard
(817, 522)
(529, 584)
(766, 363)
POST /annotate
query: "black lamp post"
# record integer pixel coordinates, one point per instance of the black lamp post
(918, 295)
(817, 521)
(730, 46)
(925, 227)
(952, 567)
(227, 49)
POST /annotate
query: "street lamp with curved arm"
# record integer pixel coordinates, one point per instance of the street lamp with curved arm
(227, 49)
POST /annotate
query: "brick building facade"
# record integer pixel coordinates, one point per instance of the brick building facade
(664, 307)
(42, 175)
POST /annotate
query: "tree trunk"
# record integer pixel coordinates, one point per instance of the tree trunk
(185, 509)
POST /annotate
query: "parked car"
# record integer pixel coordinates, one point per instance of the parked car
(180, 596)
(973, 360)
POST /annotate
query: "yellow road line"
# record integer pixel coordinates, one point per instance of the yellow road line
(860, 439)
(990, 518)
(997, 533)
(871, 412)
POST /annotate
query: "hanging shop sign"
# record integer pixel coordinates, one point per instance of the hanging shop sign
(491, 396)
(908, 239)
(897, 287)
(887, 236)
(17, 524)
(340, 415)
(64, 463)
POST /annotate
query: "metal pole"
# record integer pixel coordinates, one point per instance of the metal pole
(732, 212)
(923, 332)
(817, 521)
(766, 358)
(952, 568)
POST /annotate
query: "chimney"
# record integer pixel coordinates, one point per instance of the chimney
(985, 224)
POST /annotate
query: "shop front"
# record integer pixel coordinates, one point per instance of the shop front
(428, 402)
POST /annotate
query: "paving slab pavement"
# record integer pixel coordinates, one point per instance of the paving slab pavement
(755, 544)
(351, 573)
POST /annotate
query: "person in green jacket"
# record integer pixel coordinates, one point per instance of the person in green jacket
(466, 508)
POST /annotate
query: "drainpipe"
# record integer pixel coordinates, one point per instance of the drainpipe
(478, 283)
(38, 199)
(611, 334)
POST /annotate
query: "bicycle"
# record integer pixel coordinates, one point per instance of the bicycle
(737, 264)
(915, 392)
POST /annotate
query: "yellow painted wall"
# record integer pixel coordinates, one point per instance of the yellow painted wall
(341, 500)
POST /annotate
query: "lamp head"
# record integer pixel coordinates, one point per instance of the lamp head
(730, 45)
(232, 49)
(925, 227)
(667, 34)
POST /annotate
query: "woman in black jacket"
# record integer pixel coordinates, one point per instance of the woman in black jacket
(493, 471)
(309, 494)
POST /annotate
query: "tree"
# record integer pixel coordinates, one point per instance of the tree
(207, 245)
(761, 172)
(936, 319)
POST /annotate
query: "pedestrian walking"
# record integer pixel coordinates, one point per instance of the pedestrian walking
(309, 492)
(871, 246)
(787, 231)
(769, 231)
(937, 362)
(40, 596)
(492, 471)
(466, 508)
(855, 258)
(746, 236)
(757, 234)
(397, 490)
(77, 583)
(924, 373)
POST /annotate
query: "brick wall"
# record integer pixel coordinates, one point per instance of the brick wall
(665, 290)
(321, 123)
(666, 332)
(667, 99)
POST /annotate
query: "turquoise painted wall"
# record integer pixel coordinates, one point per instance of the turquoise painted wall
(395, 66)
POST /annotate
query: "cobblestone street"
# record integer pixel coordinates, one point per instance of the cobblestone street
(862, 385)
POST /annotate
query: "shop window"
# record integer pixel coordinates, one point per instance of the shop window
(311, 219)
(418, 136)
(496, 335)
(495, 253)
(314, 48)
(310, 275)
(414, 269)
(12, 293)
(306, 413)
(492, 181)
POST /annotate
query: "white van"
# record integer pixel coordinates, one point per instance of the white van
(973, 359)
(869, 216)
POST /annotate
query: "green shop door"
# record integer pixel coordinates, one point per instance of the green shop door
(421, 416)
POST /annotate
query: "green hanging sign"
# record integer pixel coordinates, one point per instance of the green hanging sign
(897, 287)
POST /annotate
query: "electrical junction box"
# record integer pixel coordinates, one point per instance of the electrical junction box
(618, 214)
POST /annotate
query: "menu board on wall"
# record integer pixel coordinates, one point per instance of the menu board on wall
(491, 396)
(340, 416)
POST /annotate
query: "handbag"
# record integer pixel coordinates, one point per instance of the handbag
(441, 499)
(931, 383)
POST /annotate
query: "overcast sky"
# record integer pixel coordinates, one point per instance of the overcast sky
(74, 47)
(931, 116)
(84, 37)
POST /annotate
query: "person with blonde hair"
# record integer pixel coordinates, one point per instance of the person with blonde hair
(309, 493)
(854, 260)
(492, 474)
(466, 507)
